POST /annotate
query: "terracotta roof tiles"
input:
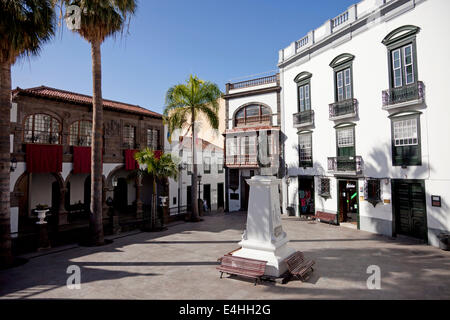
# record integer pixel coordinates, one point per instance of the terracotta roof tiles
(67, 96)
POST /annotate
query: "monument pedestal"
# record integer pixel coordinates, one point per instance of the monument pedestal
(264, 238)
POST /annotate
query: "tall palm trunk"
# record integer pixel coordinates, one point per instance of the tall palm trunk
(194, 216)
(5, 158)
(96, 216)
(153, 211)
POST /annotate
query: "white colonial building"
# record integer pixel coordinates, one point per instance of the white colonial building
(364, 110)
(252, 115)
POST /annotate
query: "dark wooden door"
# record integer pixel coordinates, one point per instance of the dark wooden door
(189, 198)
(245, 193)
(220, 195)
(207, 194)
(121, 195)
(410, 208)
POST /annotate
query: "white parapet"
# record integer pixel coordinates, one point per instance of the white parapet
(264, 238)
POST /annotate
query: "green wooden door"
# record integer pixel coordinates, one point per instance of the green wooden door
(410, 208)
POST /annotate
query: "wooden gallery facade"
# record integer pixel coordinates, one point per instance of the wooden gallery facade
(50, 163)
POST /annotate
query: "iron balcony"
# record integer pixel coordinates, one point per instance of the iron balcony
(343, 109)
(345, 165)
(404, 96)
(303, 119)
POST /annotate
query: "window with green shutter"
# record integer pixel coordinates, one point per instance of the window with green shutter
(406, 148)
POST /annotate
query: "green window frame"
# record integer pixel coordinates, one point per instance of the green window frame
(303, 81)
(402, 56)
(345, 141)
(406, 139)
(305, 149)
(343, 77)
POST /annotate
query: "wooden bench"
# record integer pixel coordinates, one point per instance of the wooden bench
(229, 254)
(298, 266)
(242, 267)
(326, 217)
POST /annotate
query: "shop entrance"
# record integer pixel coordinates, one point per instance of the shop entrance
(306, 195)
(348, 201)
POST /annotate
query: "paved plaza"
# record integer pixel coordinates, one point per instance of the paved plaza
(180, 263)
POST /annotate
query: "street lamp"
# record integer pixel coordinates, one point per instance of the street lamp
(114, 182)
(13, 164)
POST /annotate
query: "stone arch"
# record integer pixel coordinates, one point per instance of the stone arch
(108, 182)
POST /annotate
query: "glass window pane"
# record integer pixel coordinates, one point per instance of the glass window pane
(345, 138)
(240, 113)
(252, 110)
(265, 111)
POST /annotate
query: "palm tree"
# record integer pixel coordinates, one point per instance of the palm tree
(184, 102)
(25, 25)
(159, 166)
(99, 20)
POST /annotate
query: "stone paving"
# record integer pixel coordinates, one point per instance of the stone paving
(180, 263)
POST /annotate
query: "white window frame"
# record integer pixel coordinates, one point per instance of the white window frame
(344, 139)
(305, 153)
(406, 132)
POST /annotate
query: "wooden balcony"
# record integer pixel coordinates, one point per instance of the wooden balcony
(345, 165)
(343, 109)
(303, 119)
(413, 94)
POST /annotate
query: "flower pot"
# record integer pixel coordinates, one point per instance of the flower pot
(41, 214)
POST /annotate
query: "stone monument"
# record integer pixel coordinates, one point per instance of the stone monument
(264, 238)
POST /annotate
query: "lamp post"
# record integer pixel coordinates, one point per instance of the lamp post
(13, 164)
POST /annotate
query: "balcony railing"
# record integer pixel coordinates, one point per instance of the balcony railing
(242, 160)
(340, 19)
(345, 165)
(410, 93)
(304, 119)
(344, 109)
(254, 82)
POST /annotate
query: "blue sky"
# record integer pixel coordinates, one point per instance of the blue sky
(217, 40)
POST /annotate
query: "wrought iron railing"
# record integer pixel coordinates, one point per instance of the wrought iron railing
(415, 91)
(254, 82)
(303, 118)
(343, 108)
(345, 164)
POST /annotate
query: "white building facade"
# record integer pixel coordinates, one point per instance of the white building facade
(210, 169)
(252, 116)
(364, 111)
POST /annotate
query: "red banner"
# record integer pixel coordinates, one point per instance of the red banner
(81, 160)
(43, 158)
(130, 162)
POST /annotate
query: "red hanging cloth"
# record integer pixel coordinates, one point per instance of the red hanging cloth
(130, 162)
(81, 160)
(43, 158)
